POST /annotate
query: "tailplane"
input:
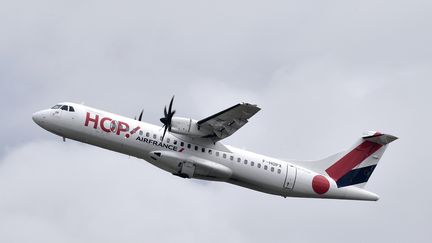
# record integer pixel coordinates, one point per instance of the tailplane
(354, 166)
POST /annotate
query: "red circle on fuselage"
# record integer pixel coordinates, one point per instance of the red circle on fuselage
(320, 184)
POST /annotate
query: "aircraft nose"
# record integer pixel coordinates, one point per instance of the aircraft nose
(38, 117)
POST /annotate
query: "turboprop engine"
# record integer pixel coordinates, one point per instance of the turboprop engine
(180, 125)
(187, 126)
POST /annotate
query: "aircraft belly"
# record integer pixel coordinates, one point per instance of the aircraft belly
(258, 179)
(190, 166)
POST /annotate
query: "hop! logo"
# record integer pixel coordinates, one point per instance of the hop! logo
(109, 125)
(133, 131)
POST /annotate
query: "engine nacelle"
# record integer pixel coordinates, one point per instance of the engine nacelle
(187, 126)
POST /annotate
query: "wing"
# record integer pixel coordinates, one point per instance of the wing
(227, 122)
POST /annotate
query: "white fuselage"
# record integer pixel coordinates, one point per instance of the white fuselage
(220, 162)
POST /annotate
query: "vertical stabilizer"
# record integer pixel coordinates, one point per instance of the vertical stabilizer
(356, 165)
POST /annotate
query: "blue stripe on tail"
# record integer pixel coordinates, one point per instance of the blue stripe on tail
(356, 176)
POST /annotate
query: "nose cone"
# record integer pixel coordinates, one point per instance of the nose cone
(38, 117)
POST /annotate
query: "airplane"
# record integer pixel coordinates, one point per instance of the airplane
(191, 148)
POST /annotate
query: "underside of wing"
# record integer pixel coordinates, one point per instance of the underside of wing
(227, 122)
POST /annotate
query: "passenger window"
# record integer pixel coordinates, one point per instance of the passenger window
(181, 144)
(147, 134)
(141, 133)
(231, 157)
(224, 156)
(168, 140)
(154, 136)
(71, 109)
(217, 153)
(272, 169)
(175, 142)
(203, 150)
(210, 151)
(259, 165)
(196, 147)
(265, 167)
(252, 163)
(189, 146)
(238, 160)
(279, 171)
(245, 161)
(65, 107)
(161, 138)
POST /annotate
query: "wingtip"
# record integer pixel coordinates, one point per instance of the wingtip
(250, 105)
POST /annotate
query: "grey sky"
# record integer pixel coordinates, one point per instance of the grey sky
(322, 72)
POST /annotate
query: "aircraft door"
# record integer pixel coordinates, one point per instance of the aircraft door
(290, 178)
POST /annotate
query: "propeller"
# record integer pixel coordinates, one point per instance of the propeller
(166, 120)
(140, 116)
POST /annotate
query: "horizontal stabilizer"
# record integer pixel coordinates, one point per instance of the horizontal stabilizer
(380, 138)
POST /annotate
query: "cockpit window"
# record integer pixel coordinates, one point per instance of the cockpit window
(56, 107)
(65, 107)
(71, 109)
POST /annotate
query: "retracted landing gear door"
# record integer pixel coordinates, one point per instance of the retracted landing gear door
(187, 169)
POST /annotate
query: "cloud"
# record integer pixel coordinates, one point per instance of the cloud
(322, 72)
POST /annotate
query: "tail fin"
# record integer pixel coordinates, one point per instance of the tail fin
(354, 166)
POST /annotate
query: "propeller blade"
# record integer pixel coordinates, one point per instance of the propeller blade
(167, 119)
(170, 105)
(140, 116)
(164, 120)
(163, 136)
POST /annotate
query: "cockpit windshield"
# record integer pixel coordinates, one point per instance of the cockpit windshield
(63, 107)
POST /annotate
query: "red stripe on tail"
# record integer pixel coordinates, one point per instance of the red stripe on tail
(352, 159)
